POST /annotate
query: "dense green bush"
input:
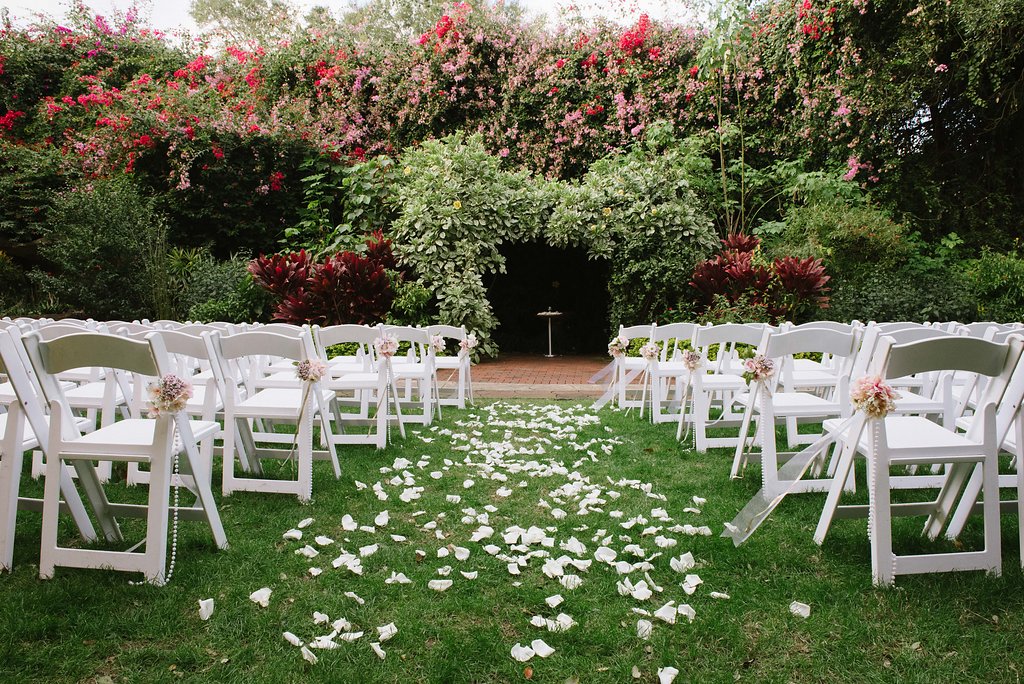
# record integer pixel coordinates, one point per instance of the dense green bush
(997, 282)
(212, 290)
(106, 246)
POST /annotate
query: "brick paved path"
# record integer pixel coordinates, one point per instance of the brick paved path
(536, 377)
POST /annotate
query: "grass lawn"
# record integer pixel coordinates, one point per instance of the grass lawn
(95, 626)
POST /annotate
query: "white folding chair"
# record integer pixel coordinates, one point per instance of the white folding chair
(414, 374)
(774, 401)
(719, 382)
(668, 372)
(283, 400)
(913, 440)
(460, 366)
(629, 368)
(186, 353)
(157, 442)
(26, 427)
(356, 380)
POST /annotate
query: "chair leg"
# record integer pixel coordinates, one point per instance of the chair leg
(305, 458)
(51, 511)
(993, 541)
(739, 460)
(154, 564)
(883, 571)
(843, 471)
(200, 469)
(10, 474)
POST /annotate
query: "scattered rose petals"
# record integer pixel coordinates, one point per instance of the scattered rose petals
(800, 609)
(261, 596)
(440, 585)
(205, 608)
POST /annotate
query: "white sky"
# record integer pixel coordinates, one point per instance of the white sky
(169, 15)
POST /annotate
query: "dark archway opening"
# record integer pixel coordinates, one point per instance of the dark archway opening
(539, 277)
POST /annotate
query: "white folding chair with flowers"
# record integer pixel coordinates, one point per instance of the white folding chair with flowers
(297, 400)
(669, 371)
(627, 371)
(898, 440)
(166, 441)
(716, 385)
(459, 366)
(414, 373)
(770, 400)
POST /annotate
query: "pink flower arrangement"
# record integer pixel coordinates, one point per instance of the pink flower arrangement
(618, 346)
(871, 395)
(758, 369)
(692, 360)
(169, 395)
(310, 370)
(386, 346)
(650, 351)
(467, 345)
(437, 342)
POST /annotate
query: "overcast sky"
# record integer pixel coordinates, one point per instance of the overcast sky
(169, 15)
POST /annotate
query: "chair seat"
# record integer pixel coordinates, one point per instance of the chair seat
(350, 381)
(814, 378)
(275, 402)
(448, 362)
(7, 394)
(911, 402)
(345, 364)
(139, 432)
(914, 433)
(797, 404)
(91, 395)
(723, 382)
(633, 362)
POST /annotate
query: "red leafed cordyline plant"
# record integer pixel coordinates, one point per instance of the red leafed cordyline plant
(344, 288)
(789, 288)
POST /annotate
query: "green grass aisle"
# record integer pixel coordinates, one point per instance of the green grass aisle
(527, 461)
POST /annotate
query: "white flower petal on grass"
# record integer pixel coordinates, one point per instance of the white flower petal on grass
(481, 533)
(261, 596)
(469, 575)
(522, 653)
(666, 675)
(443, 552)
(461, 552)
(341, 625)
(492, 549)
(644, 629)
(800, 609)
(325, 643)
(445, 571)
(605, 555)
(348, 523)
(624, 568)
(691, 582)
(307, 551)
(503, 492)
(378, 650)
(387, 631)
(667, 613)
(554, 601)
(453, 498)
(315, 572)
(365, 551)
(304, 523)
(292, 639)
(382, 519)
(205, 608)
(466, 484)
(570, 582)
(440, 585)
(573, 545)
(558, 514)
(360, 486)
(320, 618)
(562, 623)
(436, 475)
(369, 529)
(293, 535)
(664, 542)
(350, 636)
(538, 621)
(718, 595)
(355, 597)
(699, 501)
(308, 656)
(513, 568)
(730, 528)
(687, 610)
(323, 541)
(540, 648)
(691, 509)
(683, 563)
(552, 568)
(398, 578)
(397, 538)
